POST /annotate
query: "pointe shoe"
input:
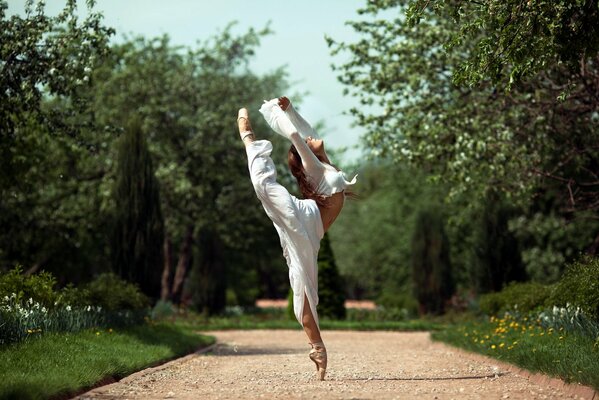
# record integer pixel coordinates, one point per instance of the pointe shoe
(243, 123)
(318, 355)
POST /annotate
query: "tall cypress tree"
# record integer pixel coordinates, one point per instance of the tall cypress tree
(137, 243)
(497, 251)
(331, 291)
(431, 267)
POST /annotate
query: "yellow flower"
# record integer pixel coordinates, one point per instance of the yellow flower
(482, 341)
(561, 338)
(501, 345)
(542, 333)
(97, 333)
(493, 347)
(110, 330)
(29, 331)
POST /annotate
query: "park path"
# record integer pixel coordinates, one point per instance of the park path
(274, 364)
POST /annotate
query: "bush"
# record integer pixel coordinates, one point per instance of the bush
(579, 286)
(38, 287)
(112, 293)
(524, 297)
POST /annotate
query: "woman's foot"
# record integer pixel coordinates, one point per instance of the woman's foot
(318, 355)
(245, 129)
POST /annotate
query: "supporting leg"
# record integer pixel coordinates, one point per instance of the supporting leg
(309, 323)
(318, 354)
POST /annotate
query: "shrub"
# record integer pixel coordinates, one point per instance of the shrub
(524, 297)
(579, 286)
(112, 293)
(38, 287)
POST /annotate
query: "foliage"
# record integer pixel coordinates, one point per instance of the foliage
(371, 238)
(528, 344)
(112, 293)
(61, 365)
(331, 290)
(550, 241)
(497, 251)
(50, 151)
(523, 297)
(30, 305)
(187, 100)
(477, 139)
(137, 241)
(431, 266)
(570, 319)
(20, 287)
(512, 40)
(580, 287)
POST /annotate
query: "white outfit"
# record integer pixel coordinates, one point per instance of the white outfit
(298, 222)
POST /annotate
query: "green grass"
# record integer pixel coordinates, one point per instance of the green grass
(571, 357)
(60, 364)
(262, 321)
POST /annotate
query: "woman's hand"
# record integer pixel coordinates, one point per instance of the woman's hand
(284, 103)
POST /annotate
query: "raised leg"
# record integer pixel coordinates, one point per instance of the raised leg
(245, 129)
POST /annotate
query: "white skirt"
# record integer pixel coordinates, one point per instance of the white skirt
(297, 222)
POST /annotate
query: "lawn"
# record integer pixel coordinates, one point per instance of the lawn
(62, 364)
(569, 356)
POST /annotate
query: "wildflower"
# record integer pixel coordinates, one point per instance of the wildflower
(29, 331)
(482, 341)
(110, 330)
(30, 301)
(68, 308)
(561, 338)
(97, 333)
(501, 345)
(493, 347)
(466, 334)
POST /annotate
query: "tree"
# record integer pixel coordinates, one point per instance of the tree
(514, 40)
(187, 100)
(139, 227)
(431, 267)
(497, 253)
(331, 290)
(478, 139)
(50, 153)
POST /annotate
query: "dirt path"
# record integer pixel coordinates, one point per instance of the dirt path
(362, 365)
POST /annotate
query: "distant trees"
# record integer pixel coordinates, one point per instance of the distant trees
(331, 290)
(138, 224)
(431, 265)
(461, 91)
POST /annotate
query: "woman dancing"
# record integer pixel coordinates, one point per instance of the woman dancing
(301, 224)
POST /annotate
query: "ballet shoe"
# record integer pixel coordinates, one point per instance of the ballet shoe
(318, 355)
(243, 123)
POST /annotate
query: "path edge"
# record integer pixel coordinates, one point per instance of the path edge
(573, 389)
(158, 366)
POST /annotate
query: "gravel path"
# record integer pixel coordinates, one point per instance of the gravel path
(362, 365)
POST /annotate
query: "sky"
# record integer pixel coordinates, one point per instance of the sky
(297, 43)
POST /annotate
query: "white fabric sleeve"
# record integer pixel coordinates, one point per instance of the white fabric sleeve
(280, 123)
(304, 128)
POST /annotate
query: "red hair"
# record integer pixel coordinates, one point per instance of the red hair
(294, 160)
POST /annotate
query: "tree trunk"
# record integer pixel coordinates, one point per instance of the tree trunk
(182, 265)
(165, 292)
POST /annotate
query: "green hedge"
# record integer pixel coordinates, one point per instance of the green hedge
(523, 297)
(580, 287)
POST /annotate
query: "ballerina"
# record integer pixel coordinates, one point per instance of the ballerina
(300, 223)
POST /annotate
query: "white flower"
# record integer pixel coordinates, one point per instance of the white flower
(68, 308)
(30, 300)
(88, 308)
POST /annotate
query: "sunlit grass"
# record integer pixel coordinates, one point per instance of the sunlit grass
(63, 363)
(526, 343)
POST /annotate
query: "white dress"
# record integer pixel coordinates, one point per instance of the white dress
(298, 222)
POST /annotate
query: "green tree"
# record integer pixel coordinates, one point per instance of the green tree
(513, 40)
(139, 227)
(188, 101)
(51, 155)
(497, 252)
(477, 139)
(331, 290)
(431, 267)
